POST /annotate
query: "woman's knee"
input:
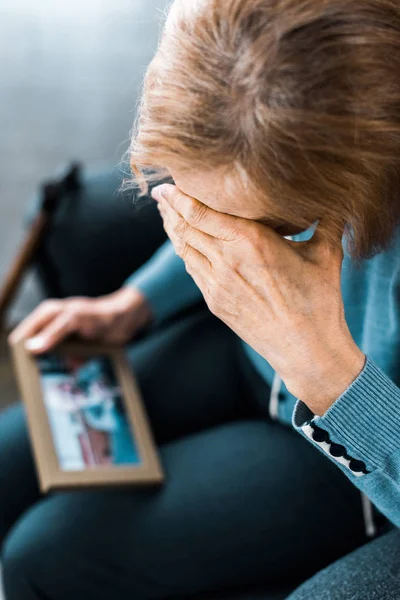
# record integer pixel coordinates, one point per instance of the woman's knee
(71, 546)
(39, 559)
(31, 555)
(18, 482)
(17, 560)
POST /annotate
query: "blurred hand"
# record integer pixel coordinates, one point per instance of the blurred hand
(115, 318)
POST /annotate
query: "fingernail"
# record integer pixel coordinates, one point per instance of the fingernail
(159, 193)
(35, 343)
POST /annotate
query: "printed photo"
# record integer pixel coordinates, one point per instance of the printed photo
(86, 413)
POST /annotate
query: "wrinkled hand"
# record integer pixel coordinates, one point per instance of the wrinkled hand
(114, 319)
(281, 297)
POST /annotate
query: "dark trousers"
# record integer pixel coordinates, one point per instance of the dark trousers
(248, 504)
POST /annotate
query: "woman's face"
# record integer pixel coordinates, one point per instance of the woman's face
(208, 188)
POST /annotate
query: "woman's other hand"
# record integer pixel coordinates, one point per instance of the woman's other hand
(114, 318)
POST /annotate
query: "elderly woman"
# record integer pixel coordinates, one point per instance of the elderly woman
(277, 411)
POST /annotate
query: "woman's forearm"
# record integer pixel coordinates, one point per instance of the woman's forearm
(165, 283)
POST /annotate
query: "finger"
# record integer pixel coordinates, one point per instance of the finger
(38, 319)
(186, 235)
(198, 215)
(222, 226)
(62, 326)
(199, 269)
(195, 261)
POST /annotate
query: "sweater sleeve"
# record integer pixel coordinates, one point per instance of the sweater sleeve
(164, 281)
(360, 432)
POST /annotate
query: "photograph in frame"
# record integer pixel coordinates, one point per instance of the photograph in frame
(86, 419)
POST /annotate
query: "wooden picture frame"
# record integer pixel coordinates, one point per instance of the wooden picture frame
(40, 417)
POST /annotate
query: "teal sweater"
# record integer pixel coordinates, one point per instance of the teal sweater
(360, 432)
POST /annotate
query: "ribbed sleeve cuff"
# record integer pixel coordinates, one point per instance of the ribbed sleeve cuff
(365, 419)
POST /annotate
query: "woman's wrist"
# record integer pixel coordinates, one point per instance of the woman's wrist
(130, 300)
(328, 377)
